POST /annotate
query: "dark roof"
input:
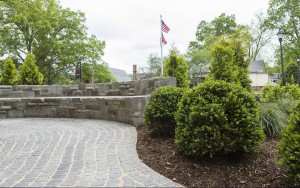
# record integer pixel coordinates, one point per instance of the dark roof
(120, 75)
(257, 66)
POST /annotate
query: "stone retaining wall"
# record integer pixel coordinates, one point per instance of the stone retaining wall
(125, 109)
(132, 88)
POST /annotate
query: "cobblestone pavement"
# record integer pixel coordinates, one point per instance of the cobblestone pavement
(72, 153)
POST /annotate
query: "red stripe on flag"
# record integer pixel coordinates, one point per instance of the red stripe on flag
(163, 40)
(164, 27)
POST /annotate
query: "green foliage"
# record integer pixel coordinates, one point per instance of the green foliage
(273, 93)
(291, 73)
(222, 65)
(274, 116)
(101, 73)
(29, 72)
(289, 146)
(160, 110)
(9, 74)
(208, 31)
(176, 66)
(217, 118)
(198, 62)
(153, 68)
(239, 60)
(57, 36)
(285, 15)
(229, 62)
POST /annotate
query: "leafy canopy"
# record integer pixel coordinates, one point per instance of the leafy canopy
(56, 36)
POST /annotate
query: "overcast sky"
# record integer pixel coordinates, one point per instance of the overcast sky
(131, 28)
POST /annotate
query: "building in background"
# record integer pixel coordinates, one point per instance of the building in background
(258, 75)
(120, 75)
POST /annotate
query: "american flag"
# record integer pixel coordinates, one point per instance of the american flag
(163, 40)
(164, 27)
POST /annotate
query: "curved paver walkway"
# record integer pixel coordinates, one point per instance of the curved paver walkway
(72, 152)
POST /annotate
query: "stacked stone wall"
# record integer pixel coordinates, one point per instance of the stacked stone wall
(123, 109)
(122, 102)
(132, 88)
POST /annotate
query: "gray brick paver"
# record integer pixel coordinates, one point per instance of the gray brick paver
(39, 152)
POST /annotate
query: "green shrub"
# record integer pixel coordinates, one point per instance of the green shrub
(272, 93)
(176, 66)
(160, 110)
(274, 116)
(289, 145)
(9, 75)
(29, 72)
(292, 91)
(217, 118)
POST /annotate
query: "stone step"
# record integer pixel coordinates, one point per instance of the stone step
(5, 108)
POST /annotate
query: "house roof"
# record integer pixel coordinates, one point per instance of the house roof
(257, 66)
(120, 75)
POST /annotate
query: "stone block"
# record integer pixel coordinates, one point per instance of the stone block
(48, 112)
(63, 112)
(85, 114)
(87, 93)
(38, 93)
(26, 88)
(15, 114)
(77, 93)
(89, 101)
(32, 112)
(6, 108)
(28, 93)
(58, 91)
(64, 102)
(21, 106)
(5, 92)
(16, 88)
(100, 102)
(74, 87)
(69, 93)
(16, 94)
(92, 107)
(82, 86)
(3, 115)
(95, 93)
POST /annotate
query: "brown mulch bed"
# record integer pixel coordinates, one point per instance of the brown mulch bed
(259, 170)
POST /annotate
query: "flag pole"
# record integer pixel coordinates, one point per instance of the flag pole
(161, 51)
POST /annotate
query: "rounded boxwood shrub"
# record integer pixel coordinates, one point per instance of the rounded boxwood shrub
(289, 145)
(217, 118)
(160, 110)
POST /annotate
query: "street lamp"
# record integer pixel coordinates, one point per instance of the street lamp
(280, 36)
(298, 61)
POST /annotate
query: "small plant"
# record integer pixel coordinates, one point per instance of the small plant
(218, 117)
(289, 145)
(160, 110)
(274, 117)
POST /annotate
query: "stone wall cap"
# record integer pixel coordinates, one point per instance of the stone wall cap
(5, 87)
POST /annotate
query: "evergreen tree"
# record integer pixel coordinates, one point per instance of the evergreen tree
(9, 74)
(222, 64)
(291, 73)
(229, 63)
(176, 66)
(29, 72)
(241, 63)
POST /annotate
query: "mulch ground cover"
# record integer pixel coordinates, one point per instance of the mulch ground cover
(162, 155)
